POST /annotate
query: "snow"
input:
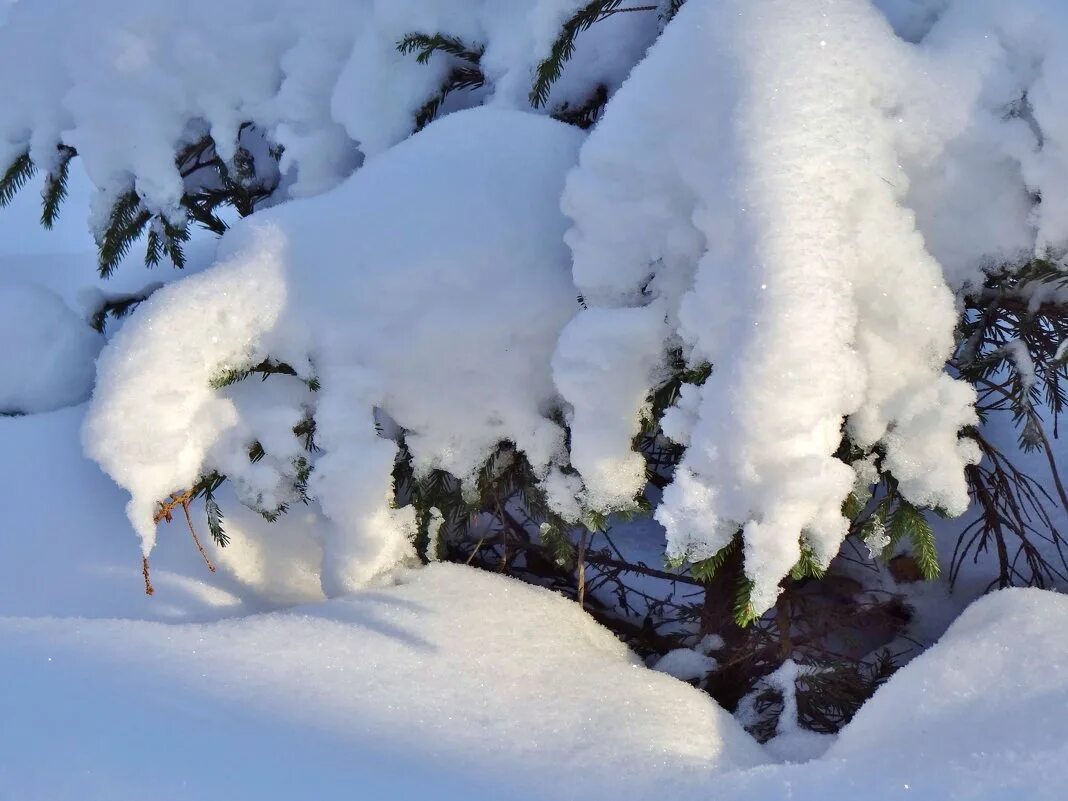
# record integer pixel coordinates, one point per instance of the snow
(979, 716)
(430, 287)
(780, 196)
(322, 78)
(685, 664)
(796, 193)
(398, 690)
(48, 351)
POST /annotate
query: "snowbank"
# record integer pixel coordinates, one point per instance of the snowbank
(47, 353)
(454, 684)
(980, 716)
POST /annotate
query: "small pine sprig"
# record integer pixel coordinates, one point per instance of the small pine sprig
(706, 569)
(808, 566)
(264, 370)
(126, 224)
(550, 69)
(465, 74)
(559, 545)
(427, 45)
(119, 306)
(206, 487)
(55, 186)
(585, 115)
(15, 177)
(744, 611)
(910, 523)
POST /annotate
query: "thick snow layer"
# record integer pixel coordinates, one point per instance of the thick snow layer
(768, 235)
(322, 78)
(47, 353)
(980, 716)
(454, 684)
(431, 287)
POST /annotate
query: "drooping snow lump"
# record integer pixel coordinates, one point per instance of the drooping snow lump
(430, 287)
(763, 229)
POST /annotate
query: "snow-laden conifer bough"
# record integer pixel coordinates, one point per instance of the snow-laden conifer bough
(797, 210)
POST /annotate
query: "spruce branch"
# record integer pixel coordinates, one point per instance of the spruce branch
(550, 69)
(55, 186)
(126, 224)
(15, 177)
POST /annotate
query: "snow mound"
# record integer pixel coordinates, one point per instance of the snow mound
(454, 684)
(427, 291)
(47, 353)
(994, 688)
(979, 716)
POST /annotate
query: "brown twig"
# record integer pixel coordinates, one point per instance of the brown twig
(166, 512)
(149, 589)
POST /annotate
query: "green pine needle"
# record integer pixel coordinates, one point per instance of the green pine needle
(127, 223)
(911, 523)
(550, 69)
(55, 187)
(706, 569)
(15, 177)
(808, 566)
(744, 612)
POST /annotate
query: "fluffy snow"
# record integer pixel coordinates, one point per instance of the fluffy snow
(431, 287)
(803, 233)
(47, 353)
(322, 78)
(685, 664)
(398, 692)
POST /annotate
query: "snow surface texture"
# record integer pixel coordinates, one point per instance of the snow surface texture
(398, 692)
(47, 352)
(804, 233)
(431, 286)
(323, 78)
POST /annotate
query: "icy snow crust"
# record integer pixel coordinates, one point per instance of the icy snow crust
(431, 286)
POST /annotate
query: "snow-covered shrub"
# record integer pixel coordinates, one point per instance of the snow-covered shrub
(787, 222)
(424, 296)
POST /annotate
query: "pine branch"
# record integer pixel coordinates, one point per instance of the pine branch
(706, 570)
(55, 186)
(550, 69)
(428, 45)
(908, 522)
(119, 306)
(264, 369)
(127, 223)
(586, 115)
(15, 177)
